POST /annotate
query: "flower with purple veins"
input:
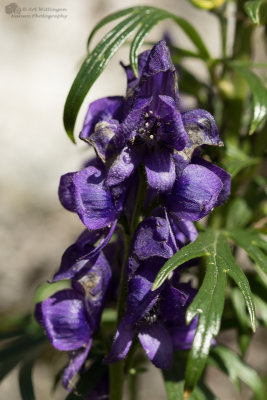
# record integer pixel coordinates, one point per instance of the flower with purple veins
(158, 317)
(70, 317)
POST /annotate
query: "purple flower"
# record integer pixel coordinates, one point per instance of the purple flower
(71, 316)
(158, 317)
(148, 127)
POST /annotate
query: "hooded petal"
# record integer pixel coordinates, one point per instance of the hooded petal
(194, 193)
(160, 169)
(104, 109)
(132, 80)
(224, 176)
(94, 203)
(159, 75)
(171, 131)
(122, 342)
(157, 344)
(124, 165)
(63, 317)
(102, 138)
(77, 358)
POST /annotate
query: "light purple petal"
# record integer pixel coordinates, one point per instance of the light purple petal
(122, 342)
(171, 131)
(64, 319)
(77, 358)
(201, 128)
(185, 228)
(123, 166)
(224, 176)
(93, 200)
(195, 193)
(160, 170)
(103, 109)
(157, 344)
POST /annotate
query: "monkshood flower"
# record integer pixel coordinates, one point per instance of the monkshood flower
(71, 316)
(158, 317)
(147, 127)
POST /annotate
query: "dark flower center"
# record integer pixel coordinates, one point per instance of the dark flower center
(147, 130)
(153, 314)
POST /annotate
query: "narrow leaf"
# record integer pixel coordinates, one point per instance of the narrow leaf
(237, 369)
(259, 95)
(257, 11)
(236, 159)
(112, 17)
(252, 243)
(239, 214)
(92, 67)
(25, 381)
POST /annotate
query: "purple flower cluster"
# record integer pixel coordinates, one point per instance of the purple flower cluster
(141, 137)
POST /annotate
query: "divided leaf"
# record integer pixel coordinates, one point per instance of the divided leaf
(209, 301)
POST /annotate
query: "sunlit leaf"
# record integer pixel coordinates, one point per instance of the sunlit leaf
(257, 11)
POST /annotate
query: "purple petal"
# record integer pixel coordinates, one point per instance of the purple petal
(201, 129)
(122, 342)
(160, 170)
(183, 335)
(132, 80)
(93, 200)
(151, 239)
(101, 138)
(224, 176)
(103, 109)
(159, 75)
(157, 344)
(195, 193)
(66, 190)
(172, 130)
(64, 319)
(123, 166)
(184, 230)
(77, 358)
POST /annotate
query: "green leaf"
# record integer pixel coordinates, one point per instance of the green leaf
(259, 95)
(209, 300)
(239, 214)
(142, 18)
(236, 369)
(93, 65)
(252, 243)
(261, 307)
(257, 11)
(174, 380)
(239, 307)
(112, 17)
(202, 392)
(198, 248)
(48, 289)
(25, 381)
(236, 159)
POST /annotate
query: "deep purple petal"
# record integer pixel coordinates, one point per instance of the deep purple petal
(77, 358)
(157, 344)
(160, 170)
(171, 131)
(194, 193)
(66, 191)
(132, 79)
(224, 176)
(103, 109)
(93, 200)
(183, 335)
(184, 230)
(123, 166)
(64, 319)
(159, 75)
(151, 239)
(122, 342)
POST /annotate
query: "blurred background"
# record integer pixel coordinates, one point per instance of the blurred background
(40, 57)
